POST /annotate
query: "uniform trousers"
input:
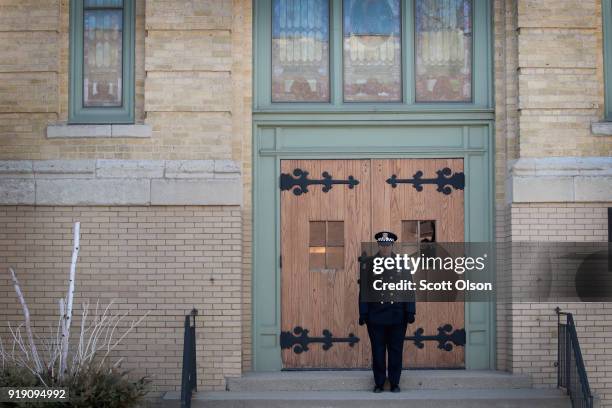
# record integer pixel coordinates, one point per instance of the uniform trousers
(387, 339)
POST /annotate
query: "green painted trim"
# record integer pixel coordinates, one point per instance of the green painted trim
(606, 6)
(336, 130)
(272, 142)
(336, 58)
(481, 62)
(408, 55)
(77, 113)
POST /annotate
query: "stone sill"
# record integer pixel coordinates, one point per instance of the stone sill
(602, 128)
(98, 131)
(120, 182)
(560, 179)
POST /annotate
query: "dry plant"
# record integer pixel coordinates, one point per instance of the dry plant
(99, 334)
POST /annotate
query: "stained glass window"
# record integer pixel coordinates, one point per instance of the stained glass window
(300, 51)
(443, 50)
(372, 51)
(102, 51)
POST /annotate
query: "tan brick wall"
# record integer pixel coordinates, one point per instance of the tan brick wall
(242, 72)
(560, 71)
(193, 86)
(193, 81)
(506, 148)
(164, 260)
(533, 325)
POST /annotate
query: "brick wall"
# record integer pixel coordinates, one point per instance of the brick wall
(533, 325)
(560, 78)
(193, 81)
(506, 149)
(165, 260)
(193, 86)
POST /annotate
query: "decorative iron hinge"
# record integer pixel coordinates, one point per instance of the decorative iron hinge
(445, 337)
(444, 181)
(301, 181)
(299, 340)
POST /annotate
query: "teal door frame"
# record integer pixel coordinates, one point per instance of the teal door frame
(278, 137)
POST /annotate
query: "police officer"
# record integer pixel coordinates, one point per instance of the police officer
(386, 322)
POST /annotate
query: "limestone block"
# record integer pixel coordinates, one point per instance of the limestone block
(16, 168)
(226, 166)
(65, 131)
(189, 169)
(17, 191)
(64, 168)
(196, 192)
(113, 168)
(543, 189)
(93, 191)
(593, 188)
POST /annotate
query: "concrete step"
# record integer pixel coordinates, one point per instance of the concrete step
(457, 398)
(362, 380)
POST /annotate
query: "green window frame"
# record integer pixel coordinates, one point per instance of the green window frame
(482, 62)
(77, 112)
(607, 53)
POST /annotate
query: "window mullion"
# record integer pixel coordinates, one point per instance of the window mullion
(336, 75)
(408, 51)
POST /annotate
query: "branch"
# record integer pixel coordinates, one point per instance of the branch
(69, 299)
(26, 315)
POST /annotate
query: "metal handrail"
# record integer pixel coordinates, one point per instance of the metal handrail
(189, 377)
(571, 372)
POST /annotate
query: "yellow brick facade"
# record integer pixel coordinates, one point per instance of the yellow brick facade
(194, 88)
(193, 76)
(163, 260)
(533, 326)
(560, 73)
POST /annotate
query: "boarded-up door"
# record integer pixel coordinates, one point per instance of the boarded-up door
(328, 208)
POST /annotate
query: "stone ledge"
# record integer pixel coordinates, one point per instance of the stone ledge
(561, 179)
(92, 191)
(602, 128)
(120, 182)
(196, 192)
(98, 131)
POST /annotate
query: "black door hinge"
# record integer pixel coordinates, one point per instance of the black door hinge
(280, 261)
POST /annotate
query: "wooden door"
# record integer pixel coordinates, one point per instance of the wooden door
(325, 216)
(436, 216)
(319, 290)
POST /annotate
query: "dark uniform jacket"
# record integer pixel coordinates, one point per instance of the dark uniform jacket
(383, 312)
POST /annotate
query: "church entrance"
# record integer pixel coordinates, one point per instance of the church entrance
(328, 208)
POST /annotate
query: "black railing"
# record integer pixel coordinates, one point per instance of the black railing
(189, 378)
(571, 373)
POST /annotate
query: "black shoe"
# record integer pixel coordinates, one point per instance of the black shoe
(395, 388)
(378, 389)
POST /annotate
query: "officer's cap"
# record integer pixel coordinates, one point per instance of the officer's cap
(385, 238)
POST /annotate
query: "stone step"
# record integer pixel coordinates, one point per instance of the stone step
(362, 380)
(457, 398)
